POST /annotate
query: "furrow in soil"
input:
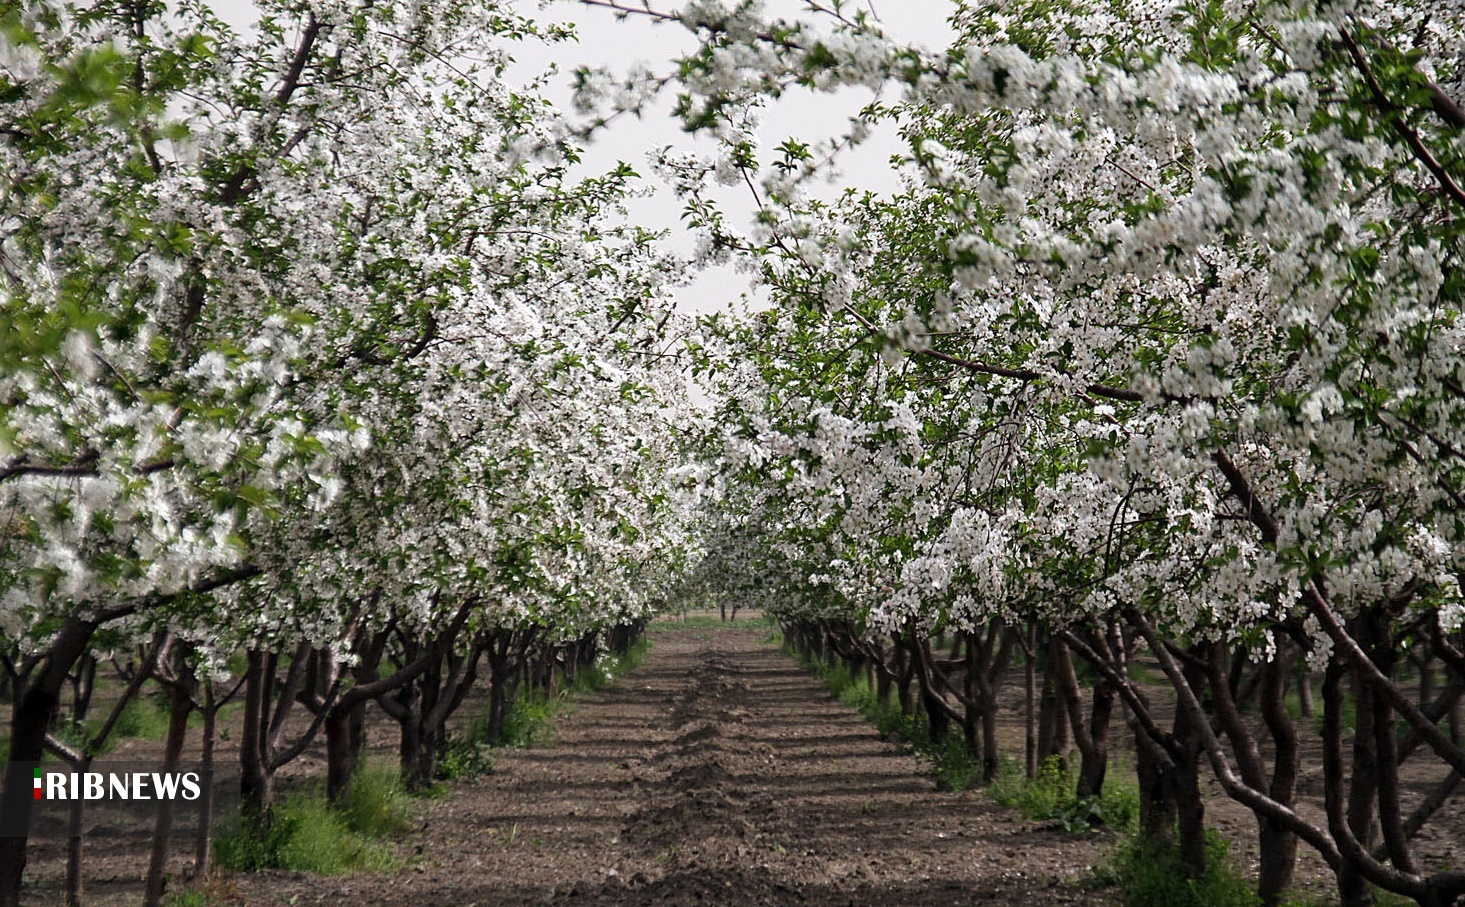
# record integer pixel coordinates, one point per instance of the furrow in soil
(718, 772)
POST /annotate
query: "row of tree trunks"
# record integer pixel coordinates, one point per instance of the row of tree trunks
(1232, 711)
(273, 684)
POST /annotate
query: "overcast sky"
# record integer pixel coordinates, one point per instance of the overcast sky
(618, 45)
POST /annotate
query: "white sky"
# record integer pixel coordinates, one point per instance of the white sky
(618, 45)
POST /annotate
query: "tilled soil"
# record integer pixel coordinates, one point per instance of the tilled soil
(718, 772)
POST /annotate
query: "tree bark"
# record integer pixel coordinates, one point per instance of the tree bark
(180, 705)
(29, 721)
(1277, 844)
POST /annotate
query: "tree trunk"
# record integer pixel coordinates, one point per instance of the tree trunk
(71, 886)
(903, 675)
(83, 684)
(1157, 807)
(203, 842)
(340, 755)
(1305, 705)
(1052, 718)
(256, 780)
(1030, 690)
(1353, 889)
(498, 707)
(30, 718)
(1277, 844)
(1190, 808)
(1092, 737)
(1095, 762)
(180, 704)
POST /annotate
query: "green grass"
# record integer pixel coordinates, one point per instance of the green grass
(214, 891)
(1053, 795)
(1147, 877)
(527, 720)
(1382, 898)
(1146, 672)
(465, 755)
(606, 671)
(378, 806)
(1049, 796)
(305, 833)
(144, 718)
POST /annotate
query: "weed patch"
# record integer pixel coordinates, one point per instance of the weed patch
(465, 755)
(1150, 877)
(305, 833)
(379, 806)
(212, 892)
(1052, 794)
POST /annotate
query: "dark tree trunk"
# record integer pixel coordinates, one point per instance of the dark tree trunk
(1305, 705)
(1277, 843)
(1092, 737)
(1157, 807)
(30, 719)
(340, 755)
(1353, 888)
(882, 686)
(256, 779)
(1052, 718)
(203, 842)
(498, 707)
(1095, 762)
(180, 705)
(1185, 780)
(83, 683)
(1030, 691)
(904, 672)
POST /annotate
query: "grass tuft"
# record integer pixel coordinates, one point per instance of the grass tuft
(304, 833)
(1053, 795)
(527, 720)
(144, 718)
(378, 805)
(1148, 877)
(465, 756)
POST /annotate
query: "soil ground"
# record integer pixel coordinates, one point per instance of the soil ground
(718, 772)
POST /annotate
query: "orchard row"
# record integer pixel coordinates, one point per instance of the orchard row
(1156, 356)
(318, 362)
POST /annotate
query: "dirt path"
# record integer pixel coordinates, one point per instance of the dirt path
(717, 772)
